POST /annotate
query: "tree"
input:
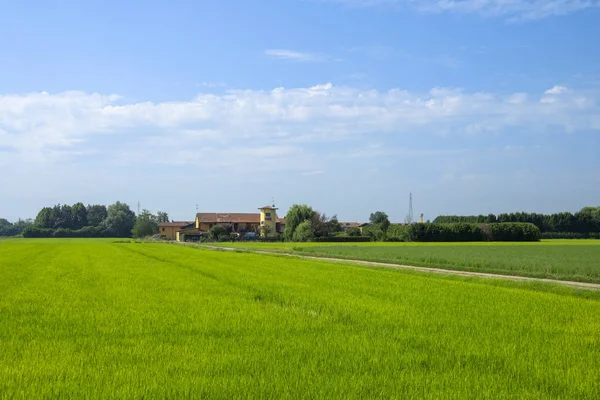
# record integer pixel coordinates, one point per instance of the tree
(146, 224)
(79, 216)
(7, 228)
(354, 231)
(266, 231)
(64, 216)
(303, 232)
(96, 214)
(296, 215)
(220, 231)
(323, 226)
(119, 220)
(380, 219)
(162, 217)
(45, 218)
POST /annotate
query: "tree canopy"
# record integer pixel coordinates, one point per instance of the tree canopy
(146, 224)
(120, 220)
(297, 214)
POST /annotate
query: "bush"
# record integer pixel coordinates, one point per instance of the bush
(35, 232)
(218, 232)
(303, 232)
(514, 232)
(343, 239)
(354, 231)
(570, 235)
(85, 232)
(459, 232)
(374, 232)
(397, 233)
(63, 233)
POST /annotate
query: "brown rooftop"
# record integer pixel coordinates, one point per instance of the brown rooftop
(228, 218)
(176, 224)
(231, 218)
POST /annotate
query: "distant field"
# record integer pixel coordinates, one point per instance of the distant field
(576, 260)
(97, 319)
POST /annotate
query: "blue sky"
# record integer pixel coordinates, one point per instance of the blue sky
(476, 106)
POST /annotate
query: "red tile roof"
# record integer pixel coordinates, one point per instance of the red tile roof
(228, 218)
(176, 224)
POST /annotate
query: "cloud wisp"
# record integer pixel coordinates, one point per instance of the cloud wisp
(291, 55)
(509, 9)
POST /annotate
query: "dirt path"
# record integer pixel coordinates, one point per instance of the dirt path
(579, 285)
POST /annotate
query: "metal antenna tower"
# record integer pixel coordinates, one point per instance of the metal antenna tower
(409, 216)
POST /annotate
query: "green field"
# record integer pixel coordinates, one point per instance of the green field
(574, 260)
(102, 319)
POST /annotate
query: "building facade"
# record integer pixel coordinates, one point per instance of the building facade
(264, 223)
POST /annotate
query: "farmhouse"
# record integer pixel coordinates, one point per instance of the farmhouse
(265, 222)
(168, 230)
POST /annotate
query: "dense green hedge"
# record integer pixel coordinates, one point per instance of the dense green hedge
(340, 239)
(463, 232)
(512, 232)
(460, 232)
(397, 233)
(373, 232)
(85, 232)
(570, 235)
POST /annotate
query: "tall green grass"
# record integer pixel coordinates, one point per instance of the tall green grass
(560, 259)
(95, 319)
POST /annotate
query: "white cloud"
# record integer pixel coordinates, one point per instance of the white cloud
(312, 173)
(557, 90)
(284, 54)
(261, 129)
(511, 9)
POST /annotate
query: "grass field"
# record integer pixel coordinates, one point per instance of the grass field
(99, 319)
(554, 259)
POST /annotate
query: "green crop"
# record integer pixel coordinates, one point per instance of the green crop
(575, 260)
(97, 319)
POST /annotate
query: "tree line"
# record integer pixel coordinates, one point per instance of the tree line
(93, 220)
(586, 221)
(305, 224)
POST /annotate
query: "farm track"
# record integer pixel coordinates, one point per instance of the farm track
(441, 271)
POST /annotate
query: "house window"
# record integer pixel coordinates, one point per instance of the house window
(268, 216)
(163, 229)
(262, 222)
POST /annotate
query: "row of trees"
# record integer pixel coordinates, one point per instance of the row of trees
(9, 229)
(585, 221)
(77, 220)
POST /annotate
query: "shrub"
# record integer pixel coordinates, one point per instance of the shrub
(514, 232)
(343, 239)
(397, 233)
(35, 232)
(303, 232)
(459, 232)
(354, 231)
(217, 232)
(570, 235)
(374, 232)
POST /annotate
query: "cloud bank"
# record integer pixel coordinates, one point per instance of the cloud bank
(288, 125)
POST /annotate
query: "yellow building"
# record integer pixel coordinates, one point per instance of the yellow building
(168, 230)
(268, 220)
(264, 223)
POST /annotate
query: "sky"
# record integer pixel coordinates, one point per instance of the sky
(474, 106)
